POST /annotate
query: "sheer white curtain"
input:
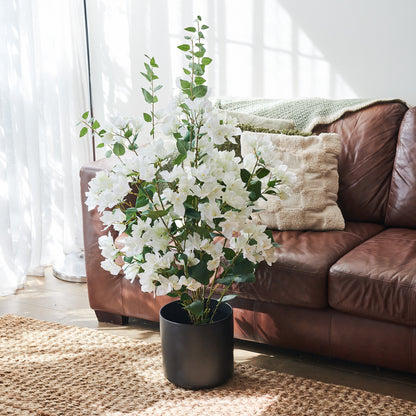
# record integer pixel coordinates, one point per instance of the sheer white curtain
(43, 91)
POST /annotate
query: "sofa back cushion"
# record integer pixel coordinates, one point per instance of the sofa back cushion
(369, 139)
(401, 206)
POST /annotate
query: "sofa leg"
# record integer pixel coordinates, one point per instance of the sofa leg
(111, 318)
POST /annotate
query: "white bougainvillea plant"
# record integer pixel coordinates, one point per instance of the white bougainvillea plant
(182, 207)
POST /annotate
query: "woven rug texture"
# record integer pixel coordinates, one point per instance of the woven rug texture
(49, 369)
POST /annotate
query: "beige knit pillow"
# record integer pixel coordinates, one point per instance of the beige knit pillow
(313, 203)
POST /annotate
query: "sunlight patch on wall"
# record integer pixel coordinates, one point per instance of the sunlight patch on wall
(262, 40)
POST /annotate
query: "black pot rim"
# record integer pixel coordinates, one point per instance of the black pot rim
(227, 306)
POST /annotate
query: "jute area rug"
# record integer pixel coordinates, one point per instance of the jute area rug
(50, 369)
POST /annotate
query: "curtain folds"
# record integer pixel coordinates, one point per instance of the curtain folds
(43, 92)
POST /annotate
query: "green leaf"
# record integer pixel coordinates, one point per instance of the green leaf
(157, 88)
(85, 115)
(185, 297)
(95, 125)
(255, 190)
(83, 132)
(108, 153)
(196, 308)
(148, 77)
(229, 253)
(226, 298)
(182, 147)
(192, 213)
(200, 91)
(199, 54)
(133, 146)
(262, 172)
(187, 71)
(157, 214)
(225, 280)
(200, 272)
(153, 63)
(206, 61)
(185, 84)
(182, 257)
(179, 159)
(245, 175)
(245, 278)
(100, 145)
(197, 68)
(141, 201)
(128, 134)
(172, 294)
(130, 213)
(199, 18)
(184, 47)
(203, 27)
(242, 266)
(199, 80)
(148, 69)
(119, 149)
(190, 29)
(147, 96)
(147, 117)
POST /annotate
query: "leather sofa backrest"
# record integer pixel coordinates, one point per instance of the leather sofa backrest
(366, 161)
(401, 206)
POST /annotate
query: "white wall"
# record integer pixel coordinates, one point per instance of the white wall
(263, 48)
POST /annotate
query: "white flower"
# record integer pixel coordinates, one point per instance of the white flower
(213, 264)
(176, 199)
(111, 266)
(202, 172)
(135, 124)
(131, 270)
(147, 282)
(210, 189)
(209, 211)
(107, 247)
(199, 105)
(116, 218)
(157, 236)
(177, 172)
(236, 195)
(189, 283)
(170, 124)
(108, 138)
(119, 121)
(194, 242)
(106, 190)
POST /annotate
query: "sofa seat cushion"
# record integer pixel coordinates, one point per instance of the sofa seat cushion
(378, 278)
(299, 277)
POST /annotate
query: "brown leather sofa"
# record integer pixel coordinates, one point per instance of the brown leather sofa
(348, 294)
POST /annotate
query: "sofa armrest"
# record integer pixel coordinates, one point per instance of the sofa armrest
(104, 289)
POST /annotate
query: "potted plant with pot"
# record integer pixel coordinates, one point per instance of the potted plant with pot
(182, 207)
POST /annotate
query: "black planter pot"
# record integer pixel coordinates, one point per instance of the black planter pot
(197, 356)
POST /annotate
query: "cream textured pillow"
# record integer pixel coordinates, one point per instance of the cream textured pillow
(313, 203)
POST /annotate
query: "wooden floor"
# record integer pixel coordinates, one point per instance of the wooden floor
(54, 300)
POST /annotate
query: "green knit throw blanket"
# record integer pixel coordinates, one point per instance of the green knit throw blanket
(306, 112)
